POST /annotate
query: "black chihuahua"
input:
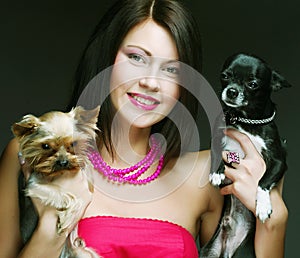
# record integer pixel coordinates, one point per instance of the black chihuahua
(247, 83)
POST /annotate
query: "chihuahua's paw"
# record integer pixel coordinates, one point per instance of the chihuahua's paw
(263, 204)
(216, 179)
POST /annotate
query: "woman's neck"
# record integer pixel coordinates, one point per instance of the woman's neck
(130, 146)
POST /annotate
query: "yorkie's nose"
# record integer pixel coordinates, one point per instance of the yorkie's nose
(63, 163)
(232, 93)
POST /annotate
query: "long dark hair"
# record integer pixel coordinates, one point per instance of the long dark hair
(104, 44)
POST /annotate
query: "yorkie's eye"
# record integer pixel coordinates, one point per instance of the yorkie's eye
(73, 144)
(46, 146)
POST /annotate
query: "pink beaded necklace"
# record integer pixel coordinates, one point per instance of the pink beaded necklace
(127, 175)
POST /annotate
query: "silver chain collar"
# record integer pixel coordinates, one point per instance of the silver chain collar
(235, 119)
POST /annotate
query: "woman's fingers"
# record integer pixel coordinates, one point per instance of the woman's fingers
(244, 185)
(232, 158)
(252, 161)
(245, 172)
(245, 142)
(233, 175)
(228, 189)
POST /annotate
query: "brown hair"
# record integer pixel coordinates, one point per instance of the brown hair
(104, 44)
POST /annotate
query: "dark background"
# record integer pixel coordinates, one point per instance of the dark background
(41, 42)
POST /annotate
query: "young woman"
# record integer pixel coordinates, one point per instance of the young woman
(147, 42)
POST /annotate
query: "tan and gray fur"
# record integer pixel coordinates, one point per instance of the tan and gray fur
(53, 144)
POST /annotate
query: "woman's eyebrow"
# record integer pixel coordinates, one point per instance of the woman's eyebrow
(173, 61)
(148, 53)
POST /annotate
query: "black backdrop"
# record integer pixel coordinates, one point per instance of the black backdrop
(41, 42)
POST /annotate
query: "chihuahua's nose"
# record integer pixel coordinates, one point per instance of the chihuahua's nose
(62, 163)
(232, 93)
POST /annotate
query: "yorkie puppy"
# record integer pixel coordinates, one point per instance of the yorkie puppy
(54, 144)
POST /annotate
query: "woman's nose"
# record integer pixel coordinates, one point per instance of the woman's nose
(150, 83)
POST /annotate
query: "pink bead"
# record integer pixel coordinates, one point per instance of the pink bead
(125, 175)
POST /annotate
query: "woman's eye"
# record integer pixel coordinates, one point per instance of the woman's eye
(137, 58)
(171, 70)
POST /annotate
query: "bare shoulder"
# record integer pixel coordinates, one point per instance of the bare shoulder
(199, 164)
(11, 147)
(210, 197)
(201, 173)
(9, 159)
(9, 212)
(205, 198)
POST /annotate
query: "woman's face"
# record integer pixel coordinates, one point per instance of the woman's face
(144, 86)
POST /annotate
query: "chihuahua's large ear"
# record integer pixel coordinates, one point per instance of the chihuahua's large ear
(278, 81)
(27, 125)
(86, 117)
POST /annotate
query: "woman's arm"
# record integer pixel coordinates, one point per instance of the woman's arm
(44, 239)
(10, 240)
(45, 242)
(269, 236)
(211, 218)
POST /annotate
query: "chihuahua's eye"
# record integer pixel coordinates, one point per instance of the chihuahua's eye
(224, 76)
(46, 146)
(253, 85)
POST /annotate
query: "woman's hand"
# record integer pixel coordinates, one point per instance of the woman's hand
(245, 175)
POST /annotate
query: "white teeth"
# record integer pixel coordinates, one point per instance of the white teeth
(144, 101)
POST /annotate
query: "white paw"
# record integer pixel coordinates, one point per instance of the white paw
(263, 204)
(216, 179)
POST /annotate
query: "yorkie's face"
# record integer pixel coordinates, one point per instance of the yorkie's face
(57, 141)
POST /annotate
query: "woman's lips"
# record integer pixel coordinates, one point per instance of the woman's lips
(143, 101)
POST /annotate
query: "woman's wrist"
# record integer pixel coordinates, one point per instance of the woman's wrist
(272, 230)
(279, 216)
(47, 228)
(45, 237)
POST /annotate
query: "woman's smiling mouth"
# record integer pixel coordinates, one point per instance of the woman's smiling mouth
(143, 101)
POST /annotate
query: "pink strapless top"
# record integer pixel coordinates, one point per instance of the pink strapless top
(118, 237)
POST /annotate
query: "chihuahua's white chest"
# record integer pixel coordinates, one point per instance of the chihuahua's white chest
(232, 145)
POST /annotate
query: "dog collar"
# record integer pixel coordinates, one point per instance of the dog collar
(232, 119)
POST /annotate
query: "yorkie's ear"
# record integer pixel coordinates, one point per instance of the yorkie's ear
(86, 117)
(278, 81)
(27, 125)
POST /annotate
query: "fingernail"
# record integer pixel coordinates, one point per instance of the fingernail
(21, 158)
